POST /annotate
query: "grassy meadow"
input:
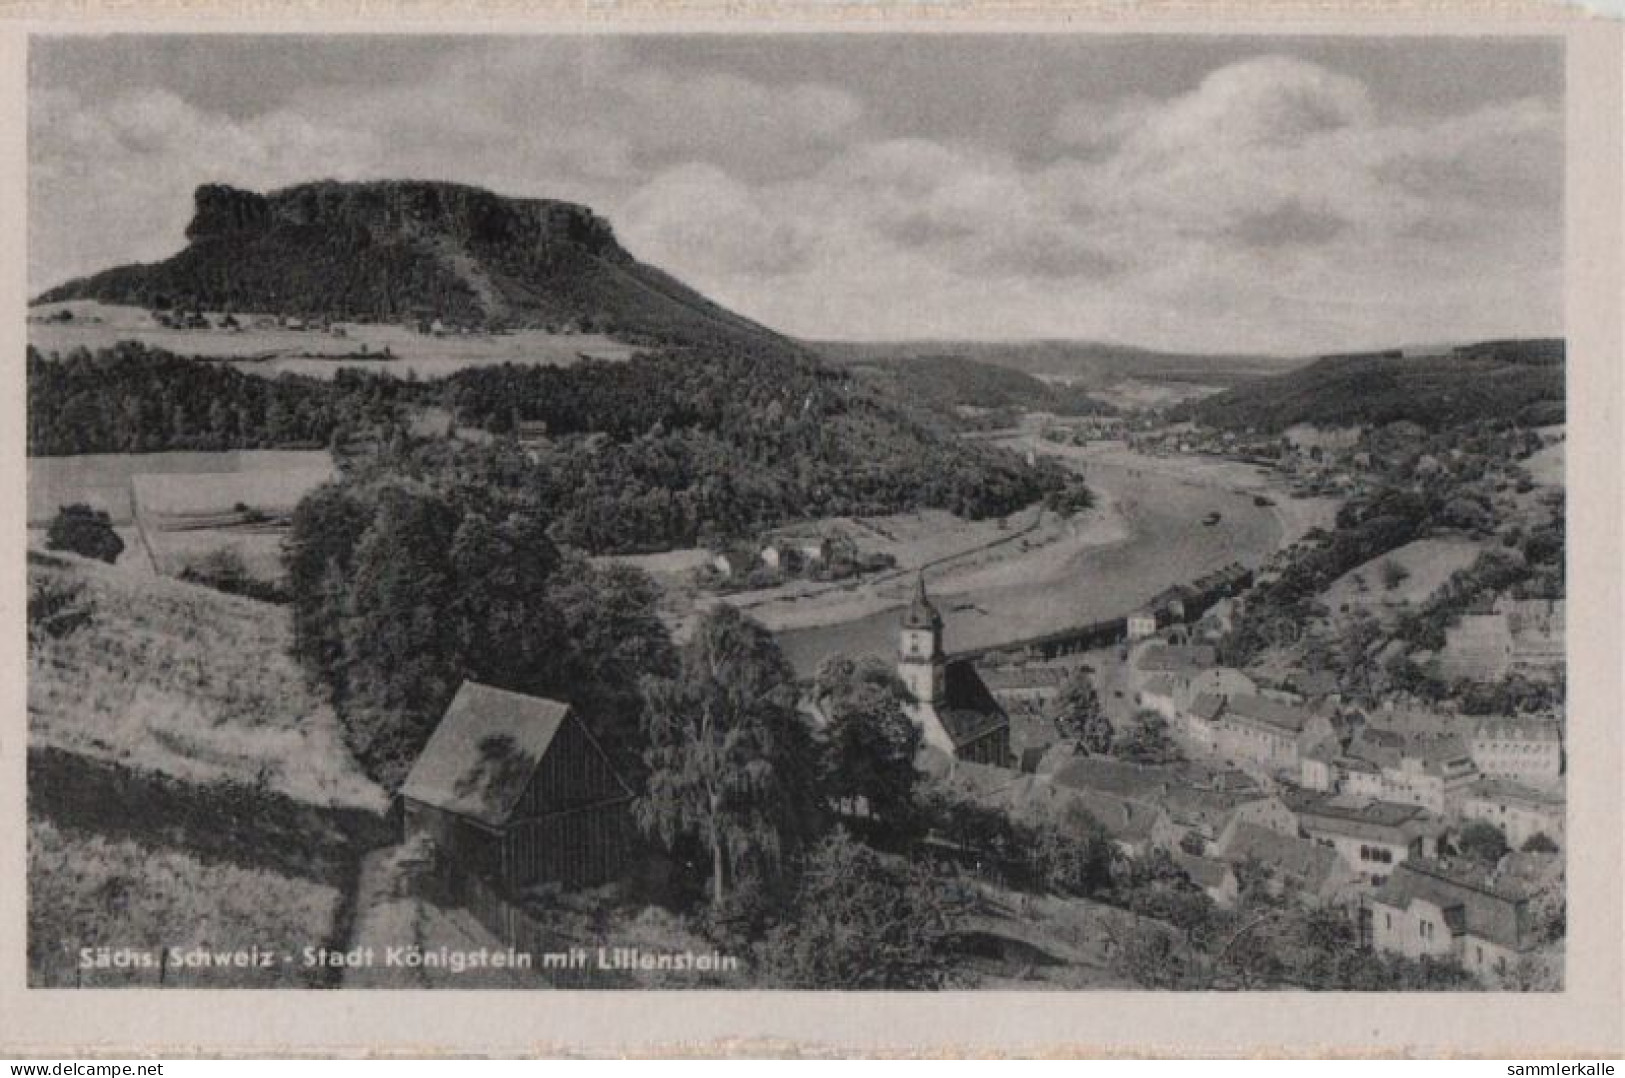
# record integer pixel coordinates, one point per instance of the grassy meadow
(88, 890)
(272, 350)
(180, 679)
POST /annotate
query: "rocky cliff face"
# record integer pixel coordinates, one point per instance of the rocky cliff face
(394, 209)
(400, 250)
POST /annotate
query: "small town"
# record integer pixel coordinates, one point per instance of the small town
(435, 583)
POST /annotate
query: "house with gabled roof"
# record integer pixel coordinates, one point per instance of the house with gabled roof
(516, 790)
(1260, 733)
(1371, 836)
(1427, 908)
(1524, 748)
(1521, 812)
(1304, 867)
(1216, 878)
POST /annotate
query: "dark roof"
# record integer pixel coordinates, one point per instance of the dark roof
(1289, 718)
(1507, 790)
(1023, 677)
(1207, 706)
(1159, 685)
(1382, 820)
(1313, 682)
(1117, 777)
(1203, 871)
(1517, 728)
(1209, 809)
(1124, 818)
(484, 752)
(1307, 863)
(1469, 906)
(1174, 658)
(921, 614)
(968, 710)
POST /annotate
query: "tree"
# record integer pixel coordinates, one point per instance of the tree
(870, 743)
(56, 609)
(1152, 955)
(731, 764)
(87, 532)
(1482, 842)
(1071, 853)
(1147, 741)
(1394, 574)
(1079, 716)
(1539, 842)
(861, 921)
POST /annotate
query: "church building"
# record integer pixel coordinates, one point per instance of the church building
(952, 706)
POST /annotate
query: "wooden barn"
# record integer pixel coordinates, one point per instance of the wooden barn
(514, 789)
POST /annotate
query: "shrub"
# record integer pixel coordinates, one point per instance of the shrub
(87, 532)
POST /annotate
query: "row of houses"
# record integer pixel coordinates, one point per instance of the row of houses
(1309, 739)
(1436, 910)
(788, 554)
(1382, 862)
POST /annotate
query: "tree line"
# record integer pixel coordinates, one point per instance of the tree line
(672, 449)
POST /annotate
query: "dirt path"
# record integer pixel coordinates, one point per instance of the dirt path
(388, 915)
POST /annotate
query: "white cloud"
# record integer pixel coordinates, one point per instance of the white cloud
(1271, 207)
(1274, 205)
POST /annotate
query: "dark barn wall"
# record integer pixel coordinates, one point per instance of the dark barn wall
(466, 845)
(579, 848)
(573, 774)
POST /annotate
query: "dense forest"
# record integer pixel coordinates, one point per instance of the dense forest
(950, 382)
(402, 590)
(673, 449)
(133, 399)
(1511, 380)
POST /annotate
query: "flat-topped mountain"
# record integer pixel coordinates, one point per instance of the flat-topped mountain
(398, 250)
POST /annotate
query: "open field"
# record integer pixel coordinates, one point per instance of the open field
(102, 480)
(1135, 395)
(1429, 563)
(1545, 467)
(183, 680)
(177, 493)
(271, 350)
(86, 890)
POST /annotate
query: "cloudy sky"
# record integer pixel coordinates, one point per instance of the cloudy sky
(1276, 194)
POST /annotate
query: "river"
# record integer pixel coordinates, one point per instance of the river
(1168, 544)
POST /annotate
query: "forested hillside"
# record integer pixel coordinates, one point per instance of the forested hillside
(669, 450)
(951, 382)
(134, 399)
(1511, 380)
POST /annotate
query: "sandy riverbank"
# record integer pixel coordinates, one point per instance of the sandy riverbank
(1159, 504)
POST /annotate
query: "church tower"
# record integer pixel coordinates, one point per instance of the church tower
(920, 660)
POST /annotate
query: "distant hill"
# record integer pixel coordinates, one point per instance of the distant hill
(1084, 364)
(950, 382)
(1518, 380)
(399, 250)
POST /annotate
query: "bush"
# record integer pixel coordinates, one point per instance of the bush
(1482, 842)
(861, 921)
(87, 532)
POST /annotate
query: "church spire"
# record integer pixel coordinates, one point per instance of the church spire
(921, 614)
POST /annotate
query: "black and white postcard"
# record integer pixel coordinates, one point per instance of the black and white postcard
(1057, 521)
